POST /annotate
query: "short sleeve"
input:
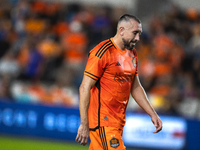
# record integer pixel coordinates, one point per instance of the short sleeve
(95, 65)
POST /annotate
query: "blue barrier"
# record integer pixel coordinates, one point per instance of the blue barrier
(62, 123)
(40, 121)
(193, 135)
(138, 132)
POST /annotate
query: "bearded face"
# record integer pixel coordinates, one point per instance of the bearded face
(128, 44)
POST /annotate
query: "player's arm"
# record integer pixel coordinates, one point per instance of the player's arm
(140, 97)
(84, 100)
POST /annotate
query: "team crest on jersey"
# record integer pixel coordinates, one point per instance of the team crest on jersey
(134, 62)
(114, 142)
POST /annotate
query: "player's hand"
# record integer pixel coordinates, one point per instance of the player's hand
(157, 123)
(82, 135)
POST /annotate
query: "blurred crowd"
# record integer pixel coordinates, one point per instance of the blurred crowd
(169, 57)
(44, 48)
(45, 45)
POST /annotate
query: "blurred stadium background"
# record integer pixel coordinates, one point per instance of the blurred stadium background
(43, 52)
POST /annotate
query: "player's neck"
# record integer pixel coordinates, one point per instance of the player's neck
(118, 42)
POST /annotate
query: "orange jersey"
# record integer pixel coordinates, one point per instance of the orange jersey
(114, 71)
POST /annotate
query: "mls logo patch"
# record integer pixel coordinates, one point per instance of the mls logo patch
(134, 62)
(114, 142)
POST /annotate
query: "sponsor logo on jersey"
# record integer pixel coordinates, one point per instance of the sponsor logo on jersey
(124, 76)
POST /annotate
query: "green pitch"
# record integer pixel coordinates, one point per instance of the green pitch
(16, 143)
(22, 143)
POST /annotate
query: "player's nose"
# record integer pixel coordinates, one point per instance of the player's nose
(137, 37)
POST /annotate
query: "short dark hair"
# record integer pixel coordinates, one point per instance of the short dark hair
(127, 17)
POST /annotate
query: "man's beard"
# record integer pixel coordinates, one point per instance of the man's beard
(127, 44)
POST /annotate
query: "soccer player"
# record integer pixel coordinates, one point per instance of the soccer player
(110, 76)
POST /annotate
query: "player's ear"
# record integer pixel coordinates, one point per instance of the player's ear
(121, 31)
